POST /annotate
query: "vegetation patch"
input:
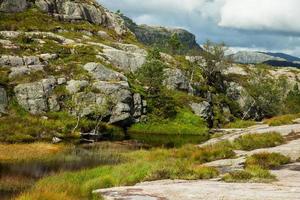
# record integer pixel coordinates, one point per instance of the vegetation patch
(257, 141)
(267, 160)
(250, 174)
(282, 120)
(238, 123)
(142, 165)
(185, 123)
(222, 150)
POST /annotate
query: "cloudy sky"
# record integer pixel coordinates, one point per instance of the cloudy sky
(266, 25)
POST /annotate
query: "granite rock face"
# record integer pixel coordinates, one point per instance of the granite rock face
(83, 10)
(13, 5)
(100, 72)
(34, 97)
(202, 109)
(110, 90)
(127, 58)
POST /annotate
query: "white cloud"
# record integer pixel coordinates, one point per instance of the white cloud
(256, 24)
(270, 15)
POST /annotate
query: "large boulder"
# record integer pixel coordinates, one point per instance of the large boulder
(33, 97)
(83, 10)
(3, 101)
(239, 94)
(102, 73)
(127, 61)
(122, 107)
(13, 5)
(112, 91)
(175, 79)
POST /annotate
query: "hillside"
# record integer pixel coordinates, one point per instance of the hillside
(87, 63)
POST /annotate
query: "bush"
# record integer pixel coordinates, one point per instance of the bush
(257, 141)
(267, 160)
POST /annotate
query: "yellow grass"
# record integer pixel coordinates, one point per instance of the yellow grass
(17, 152)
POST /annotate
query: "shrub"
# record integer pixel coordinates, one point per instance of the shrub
(267, 160)
(257, 141)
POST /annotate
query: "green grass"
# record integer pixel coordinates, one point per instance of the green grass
(257, 141)
(267, 160)
(141, 165)
(282, 120)
(185, 123)
(238, 123)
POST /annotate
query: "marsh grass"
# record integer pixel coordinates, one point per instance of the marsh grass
(141, 165)
(240, 124)
(282, 120)
(250, 174)
(256, 141)
(266, 160)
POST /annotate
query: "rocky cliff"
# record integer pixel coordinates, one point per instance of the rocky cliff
(68, 10)
(158, 36)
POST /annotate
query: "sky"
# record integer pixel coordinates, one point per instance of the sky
(263, 25)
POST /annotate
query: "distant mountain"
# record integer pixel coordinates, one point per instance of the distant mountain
(273, 59)
(287, 57)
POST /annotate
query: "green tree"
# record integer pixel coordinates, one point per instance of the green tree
(292, 101)
(214, 63)
(266, 94)
(174, 43)
(151, 74)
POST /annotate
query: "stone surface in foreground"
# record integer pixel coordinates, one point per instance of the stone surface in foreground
(203, 190)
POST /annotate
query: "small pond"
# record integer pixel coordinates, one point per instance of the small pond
(16, 177)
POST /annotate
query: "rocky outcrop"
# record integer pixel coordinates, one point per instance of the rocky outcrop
(13, 5)
(83, 10)
(100, 72)
(111, 91)
(159, 36)
(34, 97)
(176, 80)
(3, 101)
